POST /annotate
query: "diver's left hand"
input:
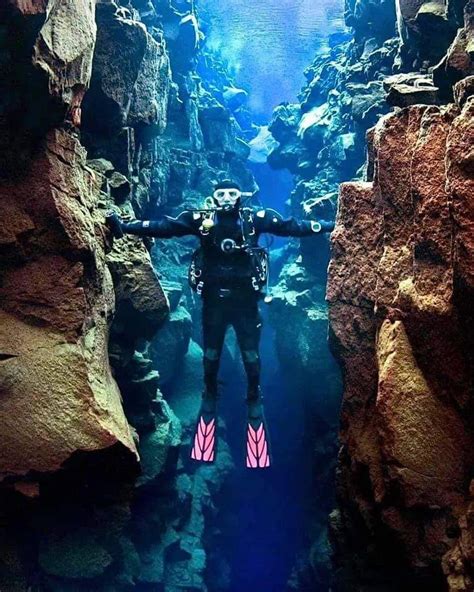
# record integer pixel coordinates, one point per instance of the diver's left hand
(114, 223)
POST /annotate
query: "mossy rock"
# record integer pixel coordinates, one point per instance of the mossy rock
(155, 446)
(75, 555)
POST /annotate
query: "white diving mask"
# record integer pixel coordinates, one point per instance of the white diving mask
(227, 198)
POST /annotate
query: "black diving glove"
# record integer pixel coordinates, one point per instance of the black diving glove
(322, 226)
(114, 223)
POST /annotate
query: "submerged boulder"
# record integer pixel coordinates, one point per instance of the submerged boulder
(411, 89)
(262, 145)
(141, 302)
(234, 97)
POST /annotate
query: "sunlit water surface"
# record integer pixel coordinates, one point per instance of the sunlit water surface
(269, 43)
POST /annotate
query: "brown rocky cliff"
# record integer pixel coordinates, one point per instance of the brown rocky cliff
(57, 297)
(58, 394)
(400, 292)
(92, 118)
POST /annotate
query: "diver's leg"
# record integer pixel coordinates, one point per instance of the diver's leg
(247, 324)
(213, 327)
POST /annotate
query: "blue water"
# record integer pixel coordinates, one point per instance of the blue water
(269, 43)
(266, 509)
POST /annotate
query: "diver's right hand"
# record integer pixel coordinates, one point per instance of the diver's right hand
(114, 223)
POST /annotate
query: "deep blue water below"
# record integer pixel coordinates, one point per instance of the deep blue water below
(267, 45)
(267, 508)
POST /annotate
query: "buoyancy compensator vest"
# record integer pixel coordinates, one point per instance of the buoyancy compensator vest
(258, 257)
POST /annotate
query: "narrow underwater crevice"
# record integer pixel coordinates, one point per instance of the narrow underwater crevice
(102, 357)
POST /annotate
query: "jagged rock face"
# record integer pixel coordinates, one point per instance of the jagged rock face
(58, 394)
(399, 283)
(129, 87)
(141, 303)
(66, 58)
(458, 61)
(63, 55)
(73, 300)
(400, 280)
(322, 138)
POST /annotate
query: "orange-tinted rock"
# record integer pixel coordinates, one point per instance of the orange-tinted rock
(400, 326)
(357, 245)
(423, 439)
(460, 182)
(58, 395)
(394, 141)
(29, 7)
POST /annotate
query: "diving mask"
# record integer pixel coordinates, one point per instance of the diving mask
(227, 198)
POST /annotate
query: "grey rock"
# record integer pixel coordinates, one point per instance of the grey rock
(155, 446)
(130, 86)
(65, 46)
(101, 165)
(262, 145)
(411, 89)
(234, 97)
(170, 345)
(119, 187)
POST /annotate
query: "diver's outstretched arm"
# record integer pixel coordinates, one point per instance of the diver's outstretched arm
(165, 227)
(271, 221)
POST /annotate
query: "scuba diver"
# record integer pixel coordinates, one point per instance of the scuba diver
(230, 272)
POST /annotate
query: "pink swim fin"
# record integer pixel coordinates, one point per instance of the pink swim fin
(204, 444)
(258, 447)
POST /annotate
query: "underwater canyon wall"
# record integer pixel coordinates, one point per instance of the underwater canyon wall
(102, 107)
(400, 294)
(105, 106)
(399, 288)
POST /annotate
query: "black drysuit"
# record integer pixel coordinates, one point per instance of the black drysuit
(229, 296)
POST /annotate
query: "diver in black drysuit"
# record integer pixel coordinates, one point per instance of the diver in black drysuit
(229, 273)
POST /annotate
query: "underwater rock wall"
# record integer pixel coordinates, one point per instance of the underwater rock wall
(322, 143)
(400, 288)
(102, 107)
(57, 294)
